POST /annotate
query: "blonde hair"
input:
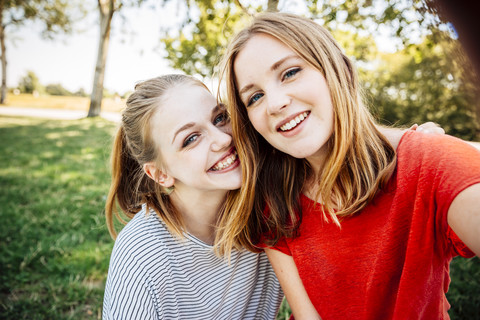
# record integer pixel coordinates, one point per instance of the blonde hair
(360, 159)
(132, 148)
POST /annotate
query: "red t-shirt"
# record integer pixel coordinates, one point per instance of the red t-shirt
(391, 260)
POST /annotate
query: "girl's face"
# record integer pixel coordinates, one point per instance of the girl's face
(193, 134)
(287, 100)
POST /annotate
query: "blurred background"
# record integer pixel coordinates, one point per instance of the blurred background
(418, 61)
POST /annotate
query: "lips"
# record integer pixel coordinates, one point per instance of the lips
(226, 162)
(294, 122)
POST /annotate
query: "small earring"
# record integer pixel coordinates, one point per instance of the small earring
(168, 190)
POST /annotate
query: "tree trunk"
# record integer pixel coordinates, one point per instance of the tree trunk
(106, 8)
(3, 89)
(272, 5)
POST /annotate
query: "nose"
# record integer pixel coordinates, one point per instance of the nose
(277, 99)
(221, 139)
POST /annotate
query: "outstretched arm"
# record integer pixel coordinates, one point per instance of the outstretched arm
(464, 217)
(394, 134)
(292, 285)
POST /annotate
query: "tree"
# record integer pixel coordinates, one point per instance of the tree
(56, 89)
(197, 50)
(30, 83)
(55, 15)
(420, 83)
(107, 9)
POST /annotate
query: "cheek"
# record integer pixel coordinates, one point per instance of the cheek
(227, 129)
(258, 122)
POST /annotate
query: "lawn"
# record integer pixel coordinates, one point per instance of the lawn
(54, 251)
(54, 245)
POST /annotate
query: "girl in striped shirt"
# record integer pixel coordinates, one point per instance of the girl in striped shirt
(176, 175)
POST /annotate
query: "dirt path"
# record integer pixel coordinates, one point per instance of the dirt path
(54, 113)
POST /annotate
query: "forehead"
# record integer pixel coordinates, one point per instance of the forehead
(182, 104)
(262, 42)
(261, 50)
(185, 96)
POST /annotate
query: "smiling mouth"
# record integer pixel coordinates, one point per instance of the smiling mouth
(294, 122)
(225, 163)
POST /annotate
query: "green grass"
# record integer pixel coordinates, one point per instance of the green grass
(54, 245)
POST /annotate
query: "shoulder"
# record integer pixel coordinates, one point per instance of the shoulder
(415, 144)
(441, 163)
(140, 241)
(393, 135)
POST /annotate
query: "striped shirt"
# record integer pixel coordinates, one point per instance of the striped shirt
(153, 275)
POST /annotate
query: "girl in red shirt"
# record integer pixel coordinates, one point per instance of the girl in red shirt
(358, 225)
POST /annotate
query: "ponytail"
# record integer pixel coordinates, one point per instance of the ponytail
(122, 190)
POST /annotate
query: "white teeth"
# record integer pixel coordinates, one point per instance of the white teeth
(226, 162)
(293, 123)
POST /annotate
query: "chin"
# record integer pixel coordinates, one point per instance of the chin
(299, 154)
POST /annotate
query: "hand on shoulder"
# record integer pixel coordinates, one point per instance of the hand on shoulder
(394, 135)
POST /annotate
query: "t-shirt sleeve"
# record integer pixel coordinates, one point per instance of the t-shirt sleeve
(458, 247)
(282, 246)
(455, 166)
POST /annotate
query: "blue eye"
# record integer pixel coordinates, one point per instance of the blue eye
(189, 140)
(254, 99)
(290, 73)
(220, 119)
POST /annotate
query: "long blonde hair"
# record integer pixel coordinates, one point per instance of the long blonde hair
(360, 159)
(132, 148)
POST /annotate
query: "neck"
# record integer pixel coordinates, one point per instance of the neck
(317, 163)
(200, 211)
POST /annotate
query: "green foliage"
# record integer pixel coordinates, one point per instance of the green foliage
(80, 93)
(426, 82)
(57, 90)
(197, 51)
(56, 15)
(284, 312)
(196, 48)
(464, 292)
(400, 17)
(54, 244)
(30, 83)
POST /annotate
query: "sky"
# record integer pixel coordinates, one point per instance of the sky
(70, 59)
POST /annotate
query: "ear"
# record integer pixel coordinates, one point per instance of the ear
(158, 175)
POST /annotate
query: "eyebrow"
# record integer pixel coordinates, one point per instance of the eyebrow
(191, 124)
(278, 64)
(274, 67)
(218, 107)
(182, 128)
